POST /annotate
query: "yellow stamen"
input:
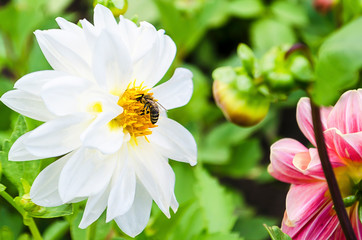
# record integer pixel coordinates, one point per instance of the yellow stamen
(134, 119)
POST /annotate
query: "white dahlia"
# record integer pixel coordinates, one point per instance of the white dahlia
(103, 112)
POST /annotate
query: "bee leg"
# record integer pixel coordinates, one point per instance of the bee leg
(142, 112)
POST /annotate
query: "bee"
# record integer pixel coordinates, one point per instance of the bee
(151, 106)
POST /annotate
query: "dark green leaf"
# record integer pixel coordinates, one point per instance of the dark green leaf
(56, 231)
(338, 64)
(276, 234)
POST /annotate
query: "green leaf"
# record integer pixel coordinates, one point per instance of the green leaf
(339, 60)
(2, 188)
(56, 230)
(52, 212)
(219, 236)
(276, 234)
(15, 171)
(6, 233)
(10, 222)
(243, 159)
(102, 228)
(267, 33)
(245, 8)
(251, 227)
(217, 205)
(75, 231)
(289, 12)
(187, 28)
(186, 224)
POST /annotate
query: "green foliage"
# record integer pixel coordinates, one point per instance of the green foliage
(56, 231)
(15, 171)
(276, 234)
(338, 65)
(243, 43)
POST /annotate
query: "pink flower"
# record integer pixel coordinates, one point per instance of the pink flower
(309, 208)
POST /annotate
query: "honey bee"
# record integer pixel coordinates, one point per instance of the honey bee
(151, 106)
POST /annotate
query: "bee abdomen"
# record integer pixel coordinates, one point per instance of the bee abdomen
(154, 115)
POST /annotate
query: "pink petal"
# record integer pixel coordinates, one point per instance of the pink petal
(304, 200)
(288, 158)
(356, 222)
(346, 114)
(324, 225)
(304, 118)
(347, 146)
(321, 225)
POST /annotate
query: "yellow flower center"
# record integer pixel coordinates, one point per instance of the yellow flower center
(136, 116)
(348, 177)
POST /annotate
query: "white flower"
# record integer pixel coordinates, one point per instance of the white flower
(95, 116)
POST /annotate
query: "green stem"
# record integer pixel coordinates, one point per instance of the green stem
(329, 175)
(28, 221)
(10, 200)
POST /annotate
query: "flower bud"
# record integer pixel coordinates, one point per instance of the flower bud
(117, 7)
(301, 69)
(238, 98)
(247, 58)
(324, 6)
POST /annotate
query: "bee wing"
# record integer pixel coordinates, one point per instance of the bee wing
(159, 104)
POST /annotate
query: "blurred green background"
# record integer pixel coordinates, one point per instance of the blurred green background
(229, 194)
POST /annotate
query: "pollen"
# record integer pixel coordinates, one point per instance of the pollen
(134, 119)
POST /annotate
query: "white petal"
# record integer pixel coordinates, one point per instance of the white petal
(136, 219)
(174, 203)
(44, 191)
(155, 174)
(87, 173)
(123, 189)
(18, 151)
(100, 136)
(174, 141)
(103, 17)
(90, 33)
(68, 26)
(34, 82)
(61, 96)
(27, 104)
(57, 137)
(139, 40)
(153, 65)
(177, 91)
(65, 51)
(111, 62)
(95, 207)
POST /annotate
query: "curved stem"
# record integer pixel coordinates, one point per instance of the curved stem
(28, 221)
(329, 175)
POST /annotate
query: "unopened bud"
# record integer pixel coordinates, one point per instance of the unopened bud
(324, 6)
(238, 98)
(301, 69)
(247, 58)
(117, 7)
